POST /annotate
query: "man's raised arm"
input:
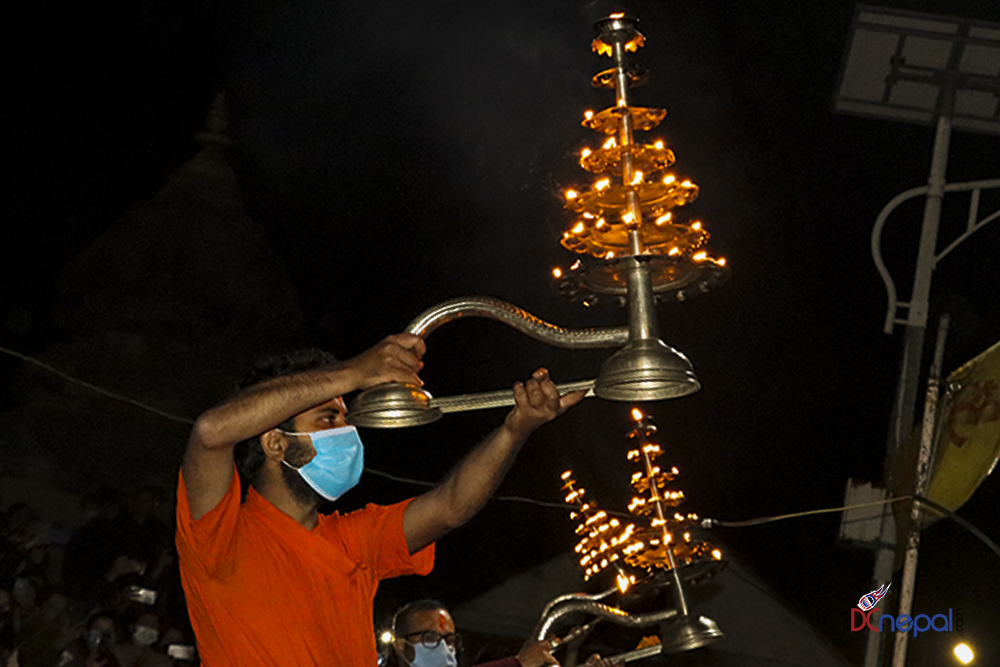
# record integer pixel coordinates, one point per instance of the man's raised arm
(208, 462)
(467, 488)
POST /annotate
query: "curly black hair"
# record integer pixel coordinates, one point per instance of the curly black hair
(249, 455)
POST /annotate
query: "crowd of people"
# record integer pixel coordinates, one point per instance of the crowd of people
(105, 595)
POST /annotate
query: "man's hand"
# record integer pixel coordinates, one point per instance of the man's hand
(537, 402)
(473, 481)
(395, 359)
(208, 462)
(596, 660)
(536, 654)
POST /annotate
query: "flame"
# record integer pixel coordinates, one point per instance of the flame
(610, 143)
(557, 272)
(602, 184)
(627, 217)
(637, 178)
(588, 114)
(601, 222)
(566, 475)
(664, 218)
(716, 554)
(572, 194)
(637, 414)
(617, 15)
(687, 184)
(575, 265)
(721, 261)
(658, 144)
(578, 228)
(623, 582)
(669, 178)
(674, 251)
(585, 152)
(700, 256)
(696, 225)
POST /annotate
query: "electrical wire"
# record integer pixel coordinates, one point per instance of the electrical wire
(404, 480)
(706, 523)
(964, 523)
(185, 420)
(95, 388)
(759, 521)
(515, 499)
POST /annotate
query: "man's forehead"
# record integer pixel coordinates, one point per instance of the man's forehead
(333, 406)
(438, 620)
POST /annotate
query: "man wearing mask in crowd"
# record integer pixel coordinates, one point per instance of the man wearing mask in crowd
(140, 651)
(423, 635)
(97, 646)
(271, 582)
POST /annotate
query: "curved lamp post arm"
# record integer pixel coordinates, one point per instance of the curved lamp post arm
(973, 225)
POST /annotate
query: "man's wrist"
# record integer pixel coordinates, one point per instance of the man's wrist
(344, 378)
(516, 432)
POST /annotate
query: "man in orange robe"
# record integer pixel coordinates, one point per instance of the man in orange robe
(269, 581)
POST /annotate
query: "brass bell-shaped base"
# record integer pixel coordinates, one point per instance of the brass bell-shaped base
(646, 369)
(687, 633)
(392, 405)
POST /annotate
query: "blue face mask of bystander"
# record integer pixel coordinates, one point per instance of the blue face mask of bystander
(339, 460)
(441, 655)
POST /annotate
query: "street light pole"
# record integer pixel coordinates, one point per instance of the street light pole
(914, 67)
(915, 333)
(916, 321)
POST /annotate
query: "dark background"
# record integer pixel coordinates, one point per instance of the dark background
(398, 154)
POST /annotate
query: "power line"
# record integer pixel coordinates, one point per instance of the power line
(705, 523)
(759, 521)
(95, 388)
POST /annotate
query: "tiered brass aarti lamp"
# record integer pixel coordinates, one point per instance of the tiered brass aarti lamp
(627, 213)
(659, 539)
(635, 250)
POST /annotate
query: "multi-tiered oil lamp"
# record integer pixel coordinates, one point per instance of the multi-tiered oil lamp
(635, 250)
(658, 542)
(628, 211)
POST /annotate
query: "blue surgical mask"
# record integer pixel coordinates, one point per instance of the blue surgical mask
(441, 655)
(339, 460)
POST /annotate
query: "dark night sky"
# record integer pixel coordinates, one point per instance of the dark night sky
(399, 154)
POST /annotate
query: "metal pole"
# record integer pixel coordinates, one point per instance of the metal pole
(916, 321)
(922, 478)
(913, 344)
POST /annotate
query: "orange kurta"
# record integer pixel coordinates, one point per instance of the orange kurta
(263, 590)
